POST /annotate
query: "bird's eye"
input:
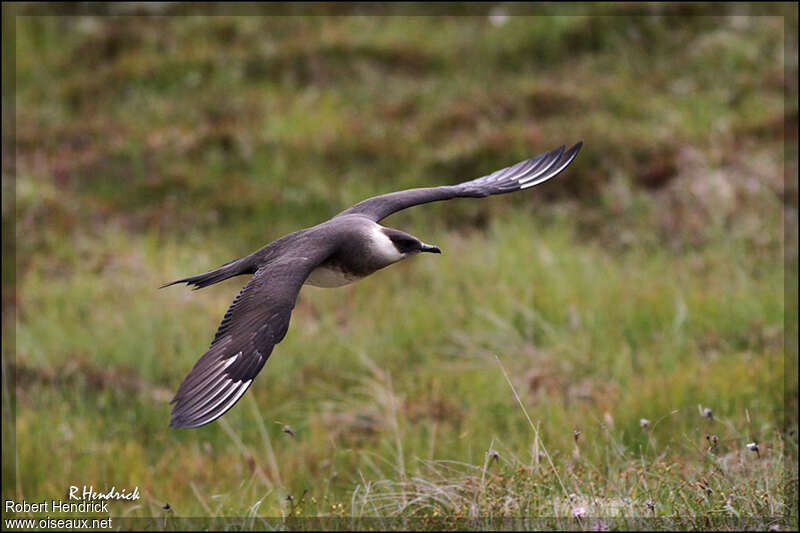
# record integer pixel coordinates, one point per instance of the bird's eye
(404, 244)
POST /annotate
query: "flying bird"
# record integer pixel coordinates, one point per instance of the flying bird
(342, 250)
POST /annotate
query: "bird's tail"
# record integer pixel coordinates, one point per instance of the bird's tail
(245, 265)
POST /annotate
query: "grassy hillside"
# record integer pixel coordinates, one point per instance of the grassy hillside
(557, 360)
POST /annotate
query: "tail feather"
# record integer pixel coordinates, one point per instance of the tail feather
(245, 265)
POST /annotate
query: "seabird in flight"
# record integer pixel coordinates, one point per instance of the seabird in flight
(342, 250)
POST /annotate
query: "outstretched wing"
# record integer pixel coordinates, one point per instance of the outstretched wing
(255, 322)
(514, 178)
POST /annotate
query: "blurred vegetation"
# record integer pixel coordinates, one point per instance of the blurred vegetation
(647, 282)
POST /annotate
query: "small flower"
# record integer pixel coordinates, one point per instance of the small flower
(645, 423)
(494, 455)
(651, 505)
(575, 434)
(288, 430)
(497, 16)
(703, 484)
(167, 507)
(708, 413)
(579, 512)
(753, 447)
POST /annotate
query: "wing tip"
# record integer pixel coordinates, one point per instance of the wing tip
(562, 150)
(194, 414)
(180, 424)
(180, 420)
(560, 161)
(555, 155)
(572, 153)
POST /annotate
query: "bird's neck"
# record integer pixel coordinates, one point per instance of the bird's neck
(382, 246)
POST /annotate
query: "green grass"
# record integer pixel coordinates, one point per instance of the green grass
(645, 283)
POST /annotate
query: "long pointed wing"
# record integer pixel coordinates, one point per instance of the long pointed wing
(514, 178)
(255, 322)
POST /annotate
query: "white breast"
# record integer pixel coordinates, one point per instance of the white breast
(329, 277)
(375, 245)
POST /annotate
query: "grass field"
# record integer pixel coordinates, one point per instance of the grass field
(604, 346)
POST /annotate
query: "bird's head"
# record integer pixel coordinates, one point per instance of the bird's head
(407, 245)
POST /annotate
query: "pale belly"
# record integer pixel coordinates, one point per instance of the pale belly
(330, 277)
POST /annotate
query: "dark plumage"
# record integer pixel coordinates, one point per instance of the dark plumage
(342, 250)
